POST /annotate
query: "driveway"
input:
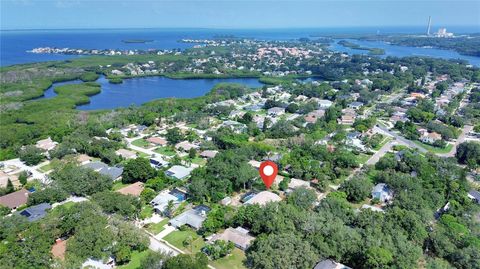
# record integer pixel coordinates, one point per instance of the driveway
(461, 138)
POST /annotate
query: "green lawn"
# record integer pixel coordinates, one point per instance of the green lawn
(232, 261)
(142, 154)
(433, 149)
(156, 228)
(147, 212)
(177, 238)
(363, 158)
(118, 185)
(141, 143)
(384, 141)
(46, 168)
(135, 260)
(167, 151)
(199, 161)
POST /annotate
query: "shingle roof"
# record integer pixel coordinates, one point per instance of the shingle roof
(14, 199)
(193, 217)
(178, 171)
(238, 236)
(263, 198)
(36, 212)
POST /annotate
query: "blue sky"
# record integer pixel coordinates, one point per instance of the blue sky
(59, 14)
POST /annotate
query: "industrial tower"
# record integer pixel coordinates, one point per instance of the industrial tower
(429, 25)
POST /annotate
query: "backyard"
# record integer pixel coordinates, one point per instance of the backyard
(232, 261)
(177, 238)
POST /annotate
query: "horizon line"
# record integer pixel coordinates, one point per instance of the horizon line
(227, 28)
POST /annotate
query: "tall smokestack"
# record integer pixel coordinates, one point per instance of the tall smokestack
(429, 25)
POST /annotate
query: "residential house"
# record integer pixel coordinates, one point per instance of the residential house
(324, 104)
(226, 201)
(185, 146)
(157, 141)
(134, 189)
(297, 183)
(474, 195)
(193, 217)
(330, 264)
(262, 198)
(313, 116)
(382, 193)
(373, 208)
(36, 212)
(161, 201)
(255, 164)
(14, 199)
(276, 111)
(430, 138)
(4, 178)
(208, 153)
(238, 236)
(179, 172)
(158, 163)
(355, 105)
(46, 144)
(235, 126)
(83, 159)
(113, 172)
(346, 120)
(127, 154)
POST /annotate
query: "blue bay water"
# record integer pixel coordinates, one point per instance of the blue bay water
(15, 44)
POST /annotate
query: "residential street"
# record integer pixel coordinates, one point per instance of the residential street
(461, 138)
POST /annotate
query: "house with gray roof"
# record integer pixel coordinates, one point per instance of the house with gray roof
(161, 201)
(36, 212)
(382, 193)
(330, 264)
(193, 217)
(474, 195)
(112, 172)
(179, 172)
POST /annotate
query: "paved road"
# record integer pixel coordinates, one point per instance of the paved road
(461, 138)
(379, 154)
(401, 139)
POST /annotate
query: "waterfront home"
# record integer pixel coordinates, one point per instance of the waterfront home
(239, 236)
(193, 217)
(179, 172)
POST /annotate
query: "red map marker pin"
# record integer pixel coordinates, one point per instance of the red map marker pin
(268, 172)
